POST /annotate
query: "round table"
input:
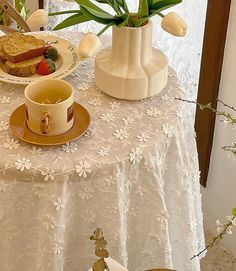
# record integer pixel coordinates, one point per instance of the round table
(134, 174)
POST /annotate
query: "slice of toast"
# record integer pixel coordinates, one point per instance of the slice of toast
(22, 48)
(24, 68)
(3, 40)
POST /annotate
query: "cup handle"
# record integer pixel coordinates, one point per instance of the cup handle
(45, 123)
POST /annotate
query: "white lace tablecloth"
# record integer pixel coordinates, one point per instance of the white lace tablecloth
(134, 174)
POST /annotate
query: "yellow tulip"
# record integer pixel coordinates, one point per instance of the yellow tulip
(37, 19)
(88, 46)
(174, 24)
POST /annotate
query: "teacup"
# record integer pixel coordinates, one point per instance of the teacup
(49, 106)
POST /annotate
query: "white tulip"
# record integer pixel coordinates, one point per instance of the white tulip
(37, 19)
(88, 46)
(174, 24)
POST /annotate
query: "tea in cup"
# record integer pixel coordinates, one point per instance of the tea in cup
(49, 106)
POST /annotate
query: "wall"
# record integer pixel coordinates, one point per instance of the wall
(220, 195)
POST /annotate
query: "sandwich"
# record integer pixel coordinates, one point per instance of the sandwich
(20, 54)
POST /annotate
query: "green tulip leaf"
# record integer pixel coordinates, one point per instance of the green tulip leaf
(141, 21)
(143, 10)
(112, 3)
(72, 20)
(88, 4)
(122, 20)
(123, 5)
(64, 12)
(104, 18)
(101, 1)
(164, 4)
(150, 4)
(98, 16)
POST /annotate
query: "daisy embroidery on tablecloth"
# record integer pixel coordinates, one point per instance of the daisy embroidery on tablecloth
(48, 173)
(69, 147)
(104, 151)
(85, 193)
(59, 204)
(11, 144)
(135, 156)
(143, 137)
(4, 126)
(49, 222)
(115, 105)
(109, 181)
(36, 150)
(22, 164)
(58, 247)
(5, 100)
(108, 117)
(83, 168)
(83, 87)
(167, 129)
(128, 120)
(121, 134)
(88, 216)
(95, 101)
(153, 112)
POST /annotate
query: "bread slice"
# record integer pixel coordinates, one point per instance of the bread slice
(24, 68)
(22, 48)
(3, 40)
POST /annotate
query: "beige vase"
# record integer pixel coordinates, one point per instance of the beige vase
(131, 69)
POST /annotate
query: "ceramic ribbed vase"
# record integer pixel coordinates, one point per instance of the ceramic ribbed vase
(131, 69)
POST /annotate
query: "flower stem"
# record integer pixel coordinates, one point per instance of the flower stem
(154, 12)
(104, 29)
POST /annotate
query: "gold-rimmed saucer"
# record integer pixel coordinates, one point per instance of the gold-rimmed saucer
(20, 129)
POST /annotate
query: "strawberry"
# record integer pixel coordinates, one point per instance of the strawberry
(50, 52)
(46, 66)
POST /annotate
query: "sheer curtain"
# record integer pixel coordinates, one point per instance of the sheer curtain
(184, 54)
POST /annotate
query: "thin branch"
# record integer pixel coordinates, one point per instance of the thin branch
(226, 105)
(202, 107)
(218, 237)
(231, 148)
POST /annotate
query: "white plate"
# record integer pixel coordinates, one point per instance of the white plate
(67, 62)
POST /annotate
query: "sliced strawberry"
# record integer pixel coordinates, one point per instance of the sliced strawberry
(50, 52)
(46, 66)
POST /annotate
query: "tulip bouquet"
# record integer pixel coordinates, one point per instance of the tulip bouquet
(88, 11)
(121, 17)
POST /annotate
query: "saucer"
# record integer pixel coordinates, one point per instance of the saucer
(20, 129)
